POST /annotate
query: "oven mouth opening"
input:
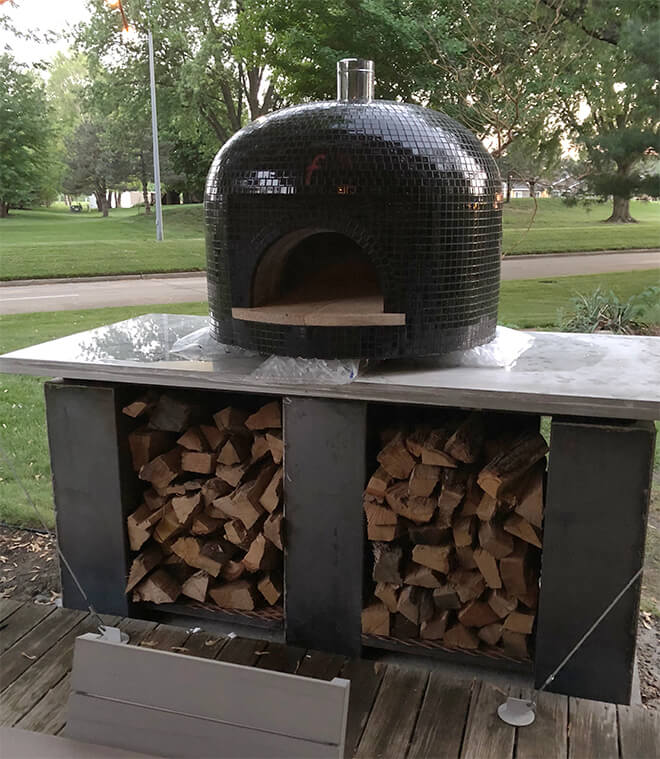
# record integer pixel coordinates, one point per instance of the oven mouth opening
(317, 277)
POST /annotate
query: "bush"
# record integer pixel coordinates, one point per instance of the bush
(604, 311)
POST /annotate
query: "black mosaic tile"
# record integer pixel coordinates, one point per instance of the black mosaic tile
(414, 189)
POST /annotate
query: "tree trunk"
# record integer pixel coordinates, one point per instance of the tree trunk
(620, 212)
(144, 180)
(100, 201)
(509, 179)
(532, 188)
(117, 200)
(4, 209)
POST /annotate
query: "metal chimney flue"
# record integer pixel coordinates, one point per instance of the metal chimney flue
(355, 80)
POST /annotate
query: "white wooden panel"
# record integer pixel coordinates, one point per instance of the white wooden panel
(25, 744)
(273, 703)
(174, 735)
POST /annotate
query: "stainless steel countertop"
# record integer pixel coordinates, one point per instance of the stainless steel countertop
(598, 375)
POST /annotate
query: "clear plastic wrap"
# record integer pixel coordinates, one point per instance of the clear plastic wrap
(501, 352)
(308, 370)
(200, 345)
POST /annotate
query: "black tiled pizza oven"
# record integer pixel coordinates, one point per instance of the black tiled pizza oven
(354, 228)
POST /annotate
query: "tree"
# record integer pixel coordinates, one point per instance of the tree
(25, 134)
(531, 158)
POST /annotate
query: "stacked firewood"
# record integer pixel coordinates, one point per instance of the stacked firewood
(455, 515)
(210, 525)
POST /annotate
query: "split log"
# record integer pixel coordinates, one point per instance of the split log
(193, 440)
(262, 555)
(142, 520)
(530, 503)
(171, 414)
(403, 628)
(501, 603)
(510, 465)
(232, 474)
(209, 556)
(199, 462)
(203, 524)
(260, 448)
(234, 451)
(274, 529)
(515, 644)
(241, 595)
(270, 587)
(434, 628)
(387, 563)
(531, 598)
(491, 634)
(428, 534)
(139, 407)
(464, 530)
(267, 417)
(244, 504)
(196, 585)
(276, 445)
(415, 441)
(459, 636)
(219, 509)
(378, 483)
(494, 540)
(416, 604)
(146, 444)
(487, 507)
(388, 594)
(515, 573)
(214, 437)
(231, 419)
(468, 584)
(415, 508)
(232, 570)
(521, 528)
(169, 526)
(465, 557)
(434, 557)
(272, 495)
(420, 576)
(237, 534)
(520, 622)
(446, 598)
(163, 469)
(153, 499)
(423, 480)
(466, 443)
(375, 619)
(213, 489)
(433, 450)
(187, 506)
(395, 459)
(477, 614)
(158, 588)
(383, 532)
(379, 515)
(487, 565)
(452, 493)
(143, 564)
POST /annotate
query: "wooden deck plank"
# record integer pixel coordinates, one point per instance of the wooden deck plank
(21, 622)
(242, 651)
(8, 606)
(279, 657)
(392, 719)
(204, 645)
(365, 677)
(49, 714)
(441, 721)
(32, 646)
(321, 665)
(486, 736)
(548, 734)
(24, 693)
(165, 638)
(592, 730)
(639, 732)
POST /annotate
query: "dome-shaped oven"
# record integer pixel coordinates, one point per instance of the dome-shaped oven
(355, 228)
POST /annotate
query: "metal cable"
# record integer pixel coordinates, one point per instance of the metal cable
(63, 559)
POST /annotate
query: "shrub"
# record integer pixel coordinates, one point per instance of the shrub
(604, 311)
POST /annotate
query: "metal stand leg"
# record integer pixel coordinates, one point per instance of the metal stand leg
(325, 475)
(595, 525)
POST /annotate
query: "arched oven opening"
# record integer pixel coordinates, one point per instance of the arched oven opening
(317, 277)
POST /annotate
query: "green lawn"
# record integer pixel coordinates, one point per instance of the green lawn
(55, 243)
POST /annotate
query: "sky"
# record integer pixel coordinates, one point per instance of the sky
(41, 16)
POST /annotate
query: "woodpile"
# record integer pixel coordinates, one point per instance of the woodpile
(210, 526)
(454, 514)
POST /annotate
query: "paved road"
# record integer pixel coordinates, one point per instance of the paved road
(70, 295)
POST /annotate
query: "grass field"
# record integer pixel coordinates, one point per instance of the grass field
(54, 243)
